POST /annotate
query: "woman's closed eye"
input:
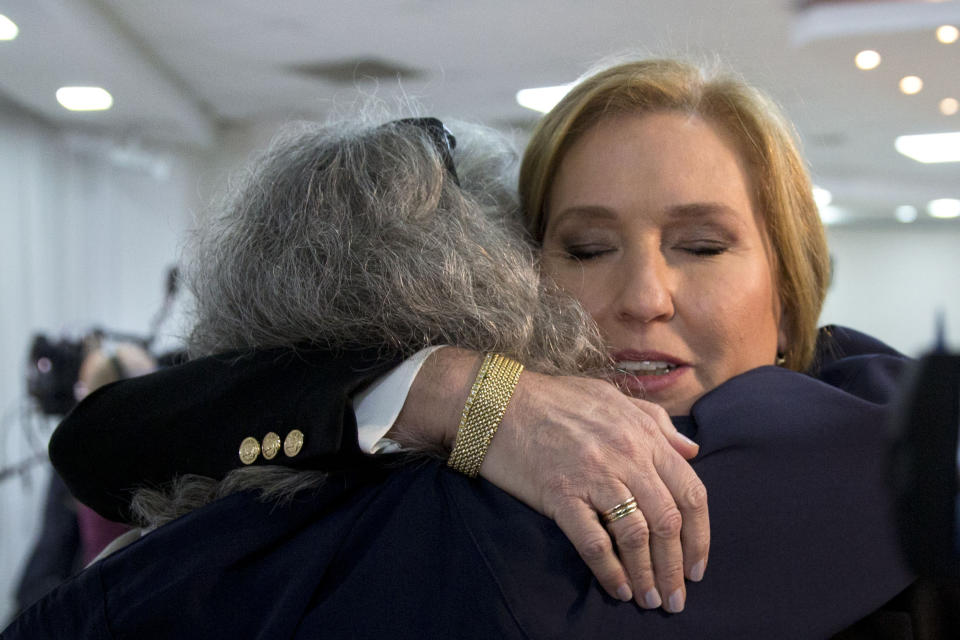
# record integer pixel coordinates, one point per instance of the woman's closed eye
(587, 251)
(704, 249)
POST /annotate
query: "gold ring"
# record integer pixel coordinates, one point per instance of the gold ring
(621, 510)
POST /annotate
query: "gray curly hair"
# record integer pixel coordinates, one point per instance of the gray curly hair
(355, 236)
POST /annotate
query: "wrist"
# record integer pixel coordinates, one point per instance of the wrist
(505, 453)
(431, 413)
(483, 412)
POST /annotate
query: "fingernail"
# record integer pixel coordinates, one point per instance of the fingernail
(624, 593)
(652, 599)
(687, 440)
(696, 571)
(675, 604)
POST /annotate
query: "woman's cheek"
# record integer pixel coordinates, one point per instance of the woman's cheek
(576, 279)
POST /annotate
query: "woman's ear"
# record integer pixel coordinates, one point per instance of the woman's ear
(783, 323)
(782, 341)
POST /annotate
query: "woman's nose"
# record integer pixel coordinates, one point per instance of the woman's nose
(645, 290)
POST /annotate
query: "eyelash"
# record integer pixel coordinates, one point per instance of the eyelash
(582, 253)
(706, 251)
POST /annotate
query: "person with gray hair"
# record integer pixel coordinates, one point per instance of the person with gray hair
(352, 238)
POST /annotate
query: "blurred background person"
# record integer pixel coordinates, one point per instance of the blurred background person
(72, 534)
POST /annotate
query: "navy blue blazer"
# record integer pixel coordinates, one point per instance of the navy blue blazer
(803, 541)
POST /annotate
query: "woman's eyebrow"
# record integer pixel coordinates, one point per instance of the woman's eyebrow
(584, 212)
(686, 212)
(694, 210)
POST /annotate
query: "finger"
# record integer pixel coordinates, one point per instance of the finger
(680, 443)
(664, 522)
(580, 524)
(690, 497)
(632, 536)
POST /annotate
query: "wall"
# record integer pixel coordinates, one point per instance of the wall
(891, 281)
(88, 227)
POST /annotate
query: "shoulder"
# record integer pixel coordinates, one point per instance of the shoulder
(853, 391)
(365, 553)
(858, 364)
(847, 363)
(78, 604)
(835, 342)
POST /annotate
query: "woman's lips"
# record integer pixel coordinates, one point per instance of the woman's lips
(646, 373)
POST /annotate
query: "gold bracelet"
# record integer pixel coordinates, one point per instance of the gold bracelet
(458, 457)
(483, 412)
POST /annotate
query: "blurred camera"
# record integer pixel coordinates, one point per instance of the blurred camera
(52, 371)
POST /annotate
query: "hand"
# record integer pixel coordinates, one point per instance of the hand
(574, 447)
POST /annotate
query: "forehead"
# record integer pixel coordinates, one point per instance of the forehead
(650, 161)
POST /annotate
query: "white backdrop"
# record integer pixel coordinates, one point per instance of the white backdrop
(891, 281)
(88, 227)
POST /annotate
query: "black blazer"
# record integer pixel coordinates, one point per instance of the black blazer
(193, 417)
(803, 540)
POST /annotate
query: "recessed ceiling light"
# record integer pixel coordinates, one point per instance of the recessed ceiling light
(542, 99)
(930, 147)
(830, 215)
(84, 98)
(949, 106)
(822, 197)
(906, 213)
(911, 85)
(947, 34)
(944, 208)
(8, 28)
(867, 59)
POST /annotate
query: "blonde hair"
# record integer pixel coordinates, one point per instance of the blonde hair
(779, 177)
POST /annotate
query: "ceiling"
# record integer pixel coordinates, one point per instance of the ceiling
(180, 71)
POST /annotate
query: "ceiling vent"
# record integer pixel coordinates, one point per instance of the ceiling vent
(354, 70)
